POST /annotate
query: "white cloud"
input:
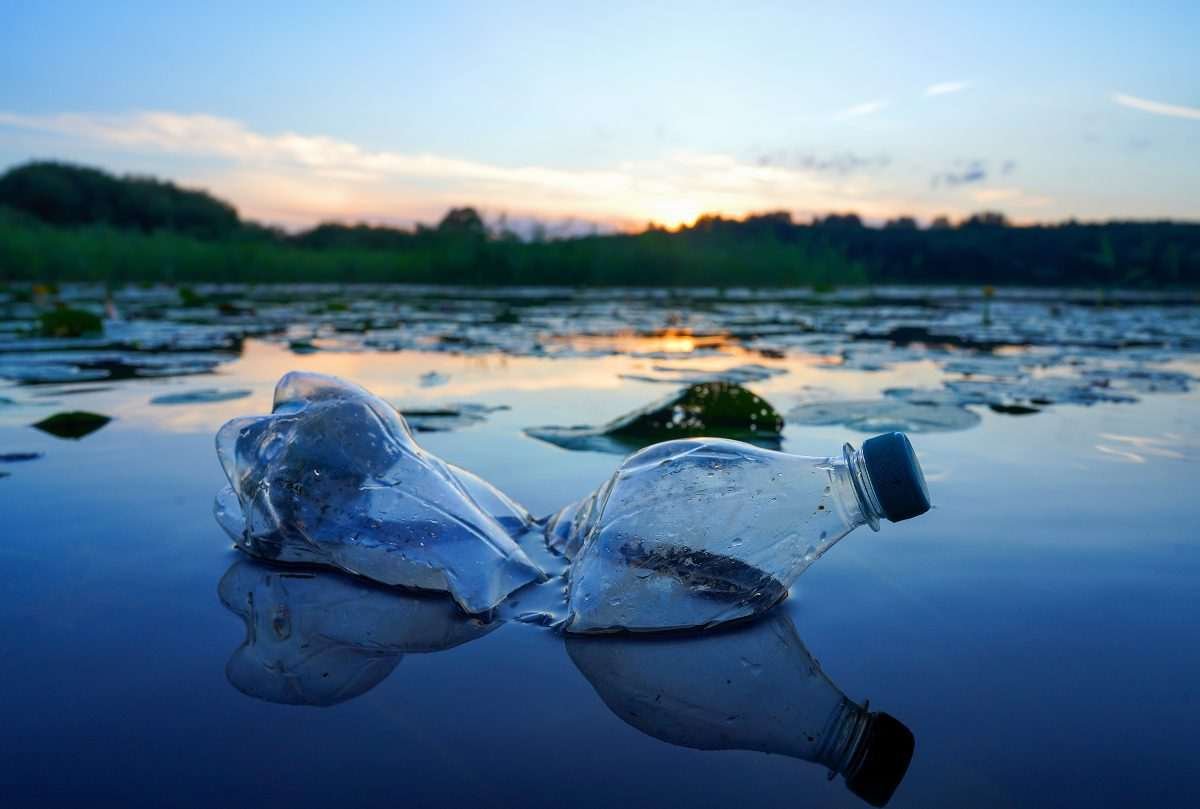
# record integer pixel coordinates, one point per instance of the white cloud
(859, 110)
(296, 179)
(1156, 107)
(946, 87)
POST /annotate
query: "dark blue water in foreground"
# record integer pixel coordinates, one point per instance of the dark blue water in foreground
(1036, 631)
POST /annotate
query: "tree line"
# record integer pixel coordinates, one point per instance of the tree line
(65, 222)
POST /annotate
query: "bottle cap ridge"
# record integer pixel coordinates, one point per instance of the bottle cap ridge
(887, 749)
(896, 476)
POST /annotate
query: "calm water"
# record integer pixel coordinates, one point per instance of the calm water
(1036, 631)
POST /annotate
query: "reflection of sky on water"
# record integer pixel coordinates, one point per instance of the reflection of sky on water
(1032, 629)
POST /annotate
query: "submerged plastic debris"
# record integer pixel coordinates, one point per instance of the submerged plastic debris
(333, 476)
(710, 408)
(200, 396)
(74, 424)
(320, 637)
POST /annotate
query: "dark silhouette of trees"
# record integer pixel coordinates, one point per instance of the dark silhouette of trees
(59, 221)
(63, 194)
(463, 222)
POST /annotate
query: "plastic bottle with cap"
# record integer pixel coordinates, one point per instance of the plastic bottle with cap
(698, 532)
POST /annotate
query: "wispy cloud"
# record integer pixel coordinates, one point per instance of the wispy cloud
(839, 163)
(859, 110)
(297, 179)
(945, 87)
(1156, 107)
(964, 172)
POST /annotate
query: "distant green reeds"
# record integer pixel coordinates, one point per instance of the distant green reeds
(33, 251)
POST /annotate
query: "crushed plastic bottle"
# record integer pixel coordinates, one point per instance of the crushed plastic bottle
(697, 532)
(333, 476)
(756, 688)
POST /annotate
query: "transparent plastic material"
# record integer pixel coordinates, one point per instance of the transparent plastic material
(753, 688)
(318, 637)
(333, 476)
(698, 532)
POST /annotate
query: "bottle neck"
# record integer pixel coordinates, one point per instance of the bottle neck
(855, 492)
(843, 737)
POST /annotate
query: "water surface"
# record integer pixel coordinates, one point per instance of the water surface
(1035, 630)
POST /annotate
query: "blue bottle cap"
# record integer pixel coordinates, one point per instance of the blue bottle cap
(896, 476)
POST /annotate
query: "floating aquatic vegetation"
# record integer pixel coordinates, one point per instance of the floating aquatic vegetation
(1014, 409)
(74, 424)
(67, 322)
(19, 457)
(78, 390)
(449, 416)
(1141, 379)
(319, 637)
(874, 356)
(48, 372)
(200, 396)
(721, 409)
(1036, 391)
(738, 374)
(1015, 396)
(433, 379)
(986, 365)
(886, 415)
(302, 347)
(42, 367)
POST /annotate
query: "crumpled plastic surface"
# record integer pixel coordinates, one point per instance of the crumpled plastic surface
(333, 476)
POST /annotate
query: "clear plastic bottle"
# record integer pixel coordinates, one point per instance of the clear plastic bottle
(753, 688)
(698, 532)
(333, 476)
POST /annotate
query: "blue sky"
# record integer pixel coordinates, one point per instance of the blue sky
(620, 114)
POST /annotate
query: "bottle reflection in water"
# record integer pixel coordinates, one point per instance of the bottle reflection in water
(318, 637)
(698, 532)
(754, 687)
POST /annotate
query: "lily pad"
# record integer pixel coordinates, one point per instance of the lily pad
(74, 424)
(886, 415)
(18, 457)
(739, 374)
(200, 396)
(446, 417)
(66, 322)
(721, 409)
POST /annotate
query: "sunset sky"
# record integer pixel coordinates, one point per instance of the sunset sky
(617, 115)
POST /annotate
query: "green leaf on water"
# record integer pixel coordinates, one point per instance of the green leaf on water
(73, 424)
(721, 409)
(66, 322)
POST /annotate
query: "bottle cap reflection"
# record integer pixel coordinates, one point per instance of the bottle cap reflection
(754, 687)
